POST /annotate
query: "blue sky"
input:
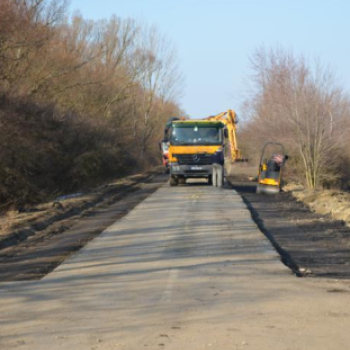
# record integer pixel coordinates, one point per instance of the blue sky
(214, 39)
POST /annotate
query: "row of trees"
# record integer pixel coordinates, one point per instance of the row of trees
(301, 105)
(82, 100)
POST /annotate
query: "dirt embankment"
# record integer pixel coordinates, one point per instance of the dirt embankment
(16, 225)
(311, 238)
(327, 202)
(33, 243)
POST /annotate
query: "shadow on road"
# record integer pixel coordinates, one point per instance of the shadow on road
(310, 244)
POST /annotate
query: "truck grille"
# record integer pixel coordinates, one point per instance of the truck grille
(194, 159)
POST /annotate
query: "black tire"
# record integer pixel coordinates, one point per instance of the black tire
(210, 180)
(182, 180)
(174, 181)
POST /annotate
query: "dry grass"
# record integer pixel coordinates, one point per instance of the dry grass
(48, 212)
(326, 202)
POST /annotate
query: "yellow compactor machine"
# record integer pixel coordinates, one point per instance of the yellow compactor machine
(271, 164)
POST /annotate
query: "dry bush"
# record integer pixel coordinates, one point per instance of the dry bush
(43, 152)
(81, 101)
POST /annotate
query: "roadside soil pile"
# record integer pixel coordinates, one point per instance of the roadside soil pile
(36, 240)
(312, 242)
(327, 202)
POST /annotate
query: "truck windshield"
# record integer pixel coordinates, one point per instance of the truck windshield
(195, 135)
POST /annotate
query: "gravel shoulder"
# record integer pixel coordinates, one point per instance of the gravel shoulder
(39, 245)
(311, 244)
(18, 225)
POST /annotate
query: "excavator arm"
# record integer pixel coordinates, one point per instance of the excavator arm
(229, 119)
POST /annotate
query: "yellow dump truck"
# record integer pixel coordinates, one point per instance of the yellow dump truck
(192, 144)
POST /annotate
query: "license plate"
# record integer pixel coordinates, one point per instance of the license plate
(196, 168)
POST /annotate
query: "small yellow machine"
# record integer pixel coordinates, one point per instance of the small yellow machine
(270, 169)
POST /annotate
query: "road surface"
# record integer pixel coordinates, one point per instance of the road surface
(186, 269)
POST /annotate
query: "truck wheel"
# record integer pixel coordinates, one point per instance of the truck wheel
(174, 181)
(210, 180)
(182, 180)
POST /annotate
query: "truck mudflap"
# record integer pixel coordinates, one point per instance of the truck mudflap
(191, 170)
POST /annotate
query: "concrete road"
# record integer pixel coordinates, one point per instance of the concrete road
(186, 269)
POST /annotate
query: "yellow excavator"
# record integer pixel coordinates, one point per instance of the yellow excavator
(229, 119)
(235, 164)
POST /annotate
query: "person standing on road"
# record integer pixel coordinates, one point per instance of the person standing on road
(218, 168)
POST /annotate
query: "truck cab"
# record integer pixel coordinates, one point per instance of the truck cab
(192, 144)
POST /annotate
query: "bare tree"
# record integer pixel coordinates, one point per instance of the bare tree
(300, 105)
(160, 80)
(25, 28)
(81, 101)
